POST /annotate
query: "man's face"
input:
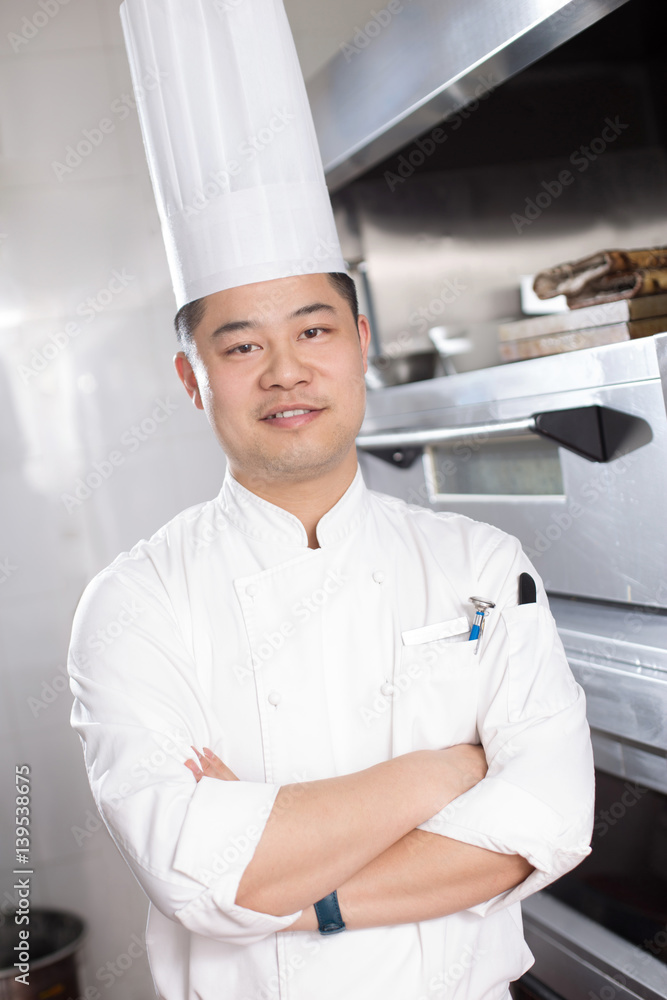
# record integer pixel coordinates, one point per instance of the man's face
(277, 346)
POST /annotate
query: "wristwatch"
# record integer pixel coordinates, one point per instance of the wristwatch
(328, 914)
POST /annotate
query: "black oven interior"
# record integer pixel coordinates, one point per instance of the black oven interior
(622, 884)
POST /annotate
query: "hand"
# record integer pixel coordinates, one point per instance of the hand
(209, 766)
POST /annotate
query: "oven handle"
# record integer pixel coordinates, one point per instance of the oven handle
(596, 433)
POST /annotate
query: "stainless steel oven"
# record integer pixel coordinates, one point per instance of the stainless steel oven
(569, 453)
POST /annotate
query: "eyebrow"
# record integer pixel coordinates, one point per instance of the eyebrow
(238, 325)
(234, 327)
(312, 308)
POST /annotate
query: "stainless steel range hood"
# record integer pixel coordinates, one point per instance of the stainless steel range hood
(416, 62)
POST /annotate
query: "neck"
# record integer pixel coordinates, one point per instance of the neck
(309, 499)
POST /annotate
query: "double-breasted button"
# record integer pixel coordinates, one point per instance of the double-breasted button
(274, 697)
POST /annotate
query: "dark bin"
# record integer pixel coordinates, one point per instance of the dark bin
(55, 937)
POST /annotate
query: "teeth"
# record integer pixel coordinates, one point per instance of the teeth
(288, 413)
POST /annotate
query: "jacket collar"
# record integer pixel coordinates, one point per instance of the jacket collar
(264, 520)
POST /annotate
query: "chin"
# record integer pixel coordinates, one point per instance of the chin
(287, 467)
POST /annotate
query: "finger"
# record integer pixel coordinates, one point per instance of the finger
(192, 766)
(210, 765)
(208, 760)
(216, 769)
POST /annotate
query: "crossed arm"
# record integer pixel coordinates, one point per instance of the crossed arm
(357, 834)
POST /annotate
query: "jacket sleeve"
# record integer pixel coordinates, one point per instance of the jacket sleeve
(537, 799)
(138, 709)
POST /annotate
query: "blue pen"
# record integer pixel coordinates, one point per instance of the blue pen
(481, 607)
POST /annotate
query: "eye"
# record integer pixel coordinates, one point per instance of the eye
(241, 349)
(313, 330)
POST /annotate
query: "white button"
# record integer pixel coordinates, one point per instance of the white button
(378, 576)
(387, 689)
(275, 697)
(251, 590)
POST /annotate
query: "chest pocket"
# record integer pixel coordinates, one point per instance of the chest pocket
(435, 695)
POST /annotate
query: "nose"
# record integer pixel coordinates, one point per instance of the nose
(283, 367)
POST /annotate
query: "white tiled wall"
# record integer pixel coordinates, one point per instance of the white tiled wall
(61, 238)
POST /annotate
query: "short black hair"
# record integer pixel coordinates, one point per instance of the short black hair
(190, 315)
(187, 320)
(347, 290)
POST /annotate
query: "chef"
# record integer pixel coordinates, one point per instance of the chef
(335, 736)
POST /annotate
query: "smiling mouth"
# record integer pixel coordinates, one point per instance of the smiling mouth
(296, 417)
(288, 413)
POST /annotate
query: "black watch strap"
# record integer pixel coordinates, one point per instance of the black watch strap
(328, 914)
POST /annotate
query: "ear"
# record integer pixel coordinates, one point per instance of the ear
(186, 374)
(364, 338)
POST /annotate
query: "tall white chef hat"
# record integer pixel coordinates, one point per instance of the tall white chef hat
(230, 143)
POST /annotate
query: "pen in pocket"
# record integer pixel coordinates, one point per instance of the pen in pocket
(527, 589)
(481, 608)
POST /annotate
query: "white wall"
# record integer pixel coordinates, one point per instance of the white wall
(321, 28)
(65, 404)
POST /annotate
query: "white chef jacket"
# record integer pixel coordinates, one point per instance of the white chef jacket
(226, 630)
